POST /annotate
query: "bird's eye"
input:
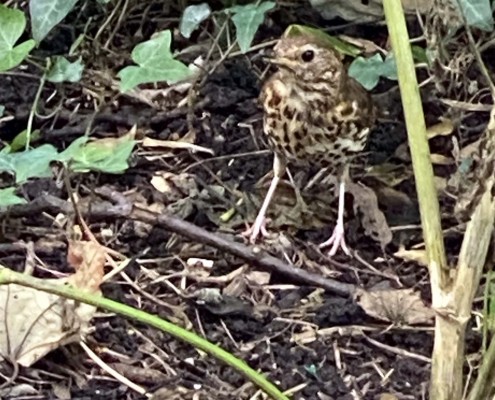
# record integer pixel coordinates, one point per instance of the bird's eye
(308, 55)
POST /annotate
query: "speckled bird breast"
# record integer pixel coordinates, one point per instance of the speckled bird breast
(308, 127)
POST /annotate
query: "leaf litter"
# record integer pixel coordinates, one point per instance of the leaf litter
(176, 267)
(33, 323)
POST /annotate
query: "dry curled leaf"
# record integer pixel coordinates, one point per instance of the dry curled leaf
(418, 256)
(403, 306)
(373, 221)
(33, 323)
(175, 186)
(443, 128)
(88, 260)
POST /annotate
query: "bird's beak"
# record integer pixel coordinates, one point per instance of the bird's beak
(281, 62)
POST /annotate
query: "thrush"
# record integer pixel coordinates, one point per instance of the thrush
(314, 115)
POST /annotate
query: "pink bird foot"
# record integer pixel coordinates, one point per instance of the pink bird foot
(337, 240)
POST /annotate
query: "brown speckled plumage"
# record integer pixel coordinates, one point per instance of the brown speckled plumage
(314, 114)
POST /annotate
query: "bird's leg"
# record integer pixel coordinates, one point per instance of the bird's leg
(338, 239)
(299, 198)
(259, 225)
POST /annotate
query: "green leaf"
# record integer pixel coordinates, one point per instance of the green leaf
(9, 198)
(73, 150)
(45, 14)
(247, 20)
(192, 17)
(478, 13)
(2, 110)
(389, 67)
(331, 41)
(20, 140)
(63, 70)
(156, 64)
(12, 25)
(367, 71)
(106, 155)
(419, 54)
(33, 163)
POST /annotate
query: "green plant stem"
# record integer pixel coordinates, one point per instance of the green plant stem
(418, 142)
(8, 276)
(483, 384)
(29, 127)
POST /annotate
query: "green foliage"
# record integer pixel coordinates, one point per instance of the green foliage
(28, 164)
(155, 63)
(65, 71)
(9, 198)
(247, 19)
(332, 41)
(105, 155)
(367, 71)
(12, 25)
(45, 14)
(192, 17)
(21, 139)
(478, 13)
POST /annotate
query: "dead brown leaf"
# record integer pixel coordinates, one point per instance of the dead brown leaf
(88, 260)
(175, 186)
(443, 128)
(373, 220)
(390, 174)
(418, 256)
(33, 323)
(175, 144)
(399, 306)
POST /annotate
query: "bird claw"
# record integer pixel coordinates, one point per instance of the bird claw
(259, 227)
(336, 240)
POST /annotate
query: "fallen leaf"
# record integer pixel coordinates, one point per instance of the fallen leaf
(175, 186)
(443, 128)
(33, 323)
(373, 220)
(399, 306)
(390, 174)
(418, 256)
(175, 144)
(439, 159)
(259, 277)
(88, 260)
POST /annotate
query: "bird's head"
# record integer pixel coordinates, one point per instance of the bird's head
(310, 58)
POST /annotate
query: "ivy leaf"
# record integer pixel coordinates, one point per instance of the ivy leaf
(192, 17)
(20, 140)
(336, 43)
(247, 20)
(367, 71)
(65, 71)
(9, 198)
(156, 64)
(478, 13)
(34, 163)
(108, 155)
(45, 14)
(12, 25)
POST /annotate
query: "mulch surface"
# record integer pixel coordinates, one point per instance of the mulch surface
(315, 343)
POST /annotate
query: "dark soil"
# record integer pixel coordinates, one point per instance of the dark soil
(310, 342)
